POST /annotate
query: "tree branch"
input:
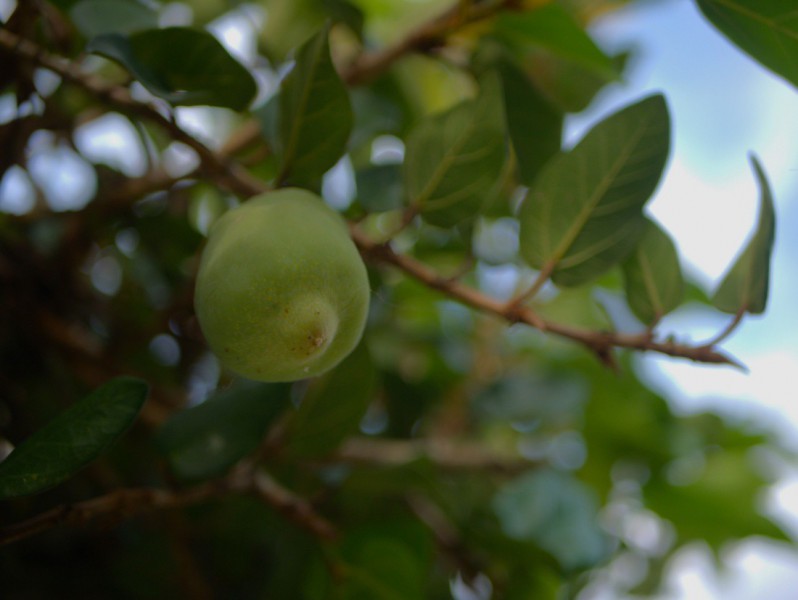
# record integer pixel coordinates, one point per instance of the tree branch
(728, 330)
(431, 34)
(600, 342)
(292, 507)
(229, 174)
(127, 503)
(445, 454)
(117, 505)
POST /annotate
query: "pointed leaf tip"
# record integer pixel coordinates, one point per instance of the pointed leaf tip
(745, 286)
(652, 276)
(315, 115)
(72, 439)
(184, 66)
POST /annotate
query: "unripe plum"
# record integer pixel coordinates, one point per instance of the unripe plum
(282, 293)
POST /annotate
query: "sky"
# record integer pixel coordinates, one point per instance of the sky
(724, 106)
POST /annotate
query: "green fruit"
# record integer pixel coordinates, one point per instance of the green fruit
(282, 293)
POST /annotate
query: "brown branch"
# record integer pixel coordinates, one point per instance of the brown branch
(227, 173)
(425, 37)
(541, 279)
(600, 342)
(728, 330)
(291, 506)
(446, 535)
(445, 454)
(117, 505)
(127, 503)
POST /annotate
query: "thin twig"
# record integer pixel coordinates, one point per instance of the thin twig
(541, 279)
(599, 342)
(291, 506)
(227, 173)
(446, 534)
(445, 454)
(124, 504)
(427, 36)
(728, 330)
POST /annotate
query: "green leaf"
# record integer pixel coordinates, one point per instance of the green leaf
(346, 13)
(315, 115)
(72, 439)
(204, 441)
(653, 277)
(745, 286)
(97, 17)
(181, 65)
(720, 505)
(379, 187)
(333, 406)
(454, 160)
(552, 27)
(557, 513)
(535, 126)
(268, 118)
(568, 85)
(765, 29)
(584, 213)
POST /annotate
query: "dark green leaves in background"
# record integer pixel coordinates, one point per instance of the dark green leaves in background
(556, 512)
(454, 160)
(97, 17)
(552, 27)
(723, 494)
(206, 440)
(765, 29)
(315, 115)
(73, 439)
(558, 55)
(183, 66)
(333, 407)
(745, 286)
(534, 124)
(584, 212)
(653, 277)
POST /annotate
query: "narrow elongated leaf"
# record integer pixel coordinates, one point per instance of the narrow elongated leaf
(584, 213)
(96, 17)
(315, 115)
(206, 440)
(534, 124)
(652, 276)
(453, 160)
(765, 29)
(552, 27)
(745, 286)
(183, 66)
(333, 407)
(72, 439)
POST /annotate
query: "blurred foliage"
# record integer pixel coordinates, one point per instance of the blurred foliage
(450, 451)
